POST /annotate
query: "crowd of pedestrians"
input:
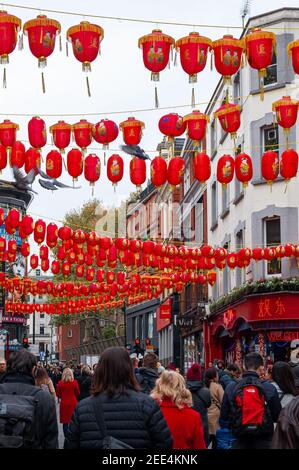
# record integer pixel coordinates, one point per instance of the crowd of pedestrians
(123, 402)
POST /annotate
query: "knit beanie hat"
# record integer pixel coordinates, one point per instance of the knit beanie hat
(194, 372)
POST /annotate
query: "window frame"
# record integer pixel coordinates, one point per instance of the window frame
(266, 244)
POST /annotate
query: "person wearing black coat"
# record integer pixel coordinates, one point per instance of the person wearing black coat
(19, 380)
(201, 397)
(130, 416)
(84, 382)
(148, 374)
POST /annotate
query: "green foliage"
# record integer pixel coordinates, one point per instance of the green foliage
(109, 332)
(274, 284)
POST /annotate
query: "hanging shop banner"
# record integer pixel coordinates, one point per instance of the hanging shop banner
(164, 315)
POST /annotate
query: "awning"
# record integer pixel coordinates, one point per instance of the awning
(244, 326)
(223, 334)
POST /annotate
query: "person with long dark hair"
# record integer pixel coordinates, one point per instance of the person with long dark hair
(217, 392)
(286, 434)
(117, 409)
(284, 382)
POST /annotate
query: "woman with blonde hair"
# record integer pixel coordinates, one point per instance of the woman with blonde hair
(43, 381)
(175, 402)
(68, 391)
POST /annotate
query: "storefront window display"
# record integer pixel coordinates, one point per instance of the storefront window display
(191, 351)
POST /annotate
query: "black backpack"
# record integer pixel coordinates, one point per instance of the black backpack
(18, 423)
(250, 415)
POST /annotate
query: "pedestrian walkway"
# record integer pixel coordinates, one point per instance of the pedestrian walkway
(60, 430)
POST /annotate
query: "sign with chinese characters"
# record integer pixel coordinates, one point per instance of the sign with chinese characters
(271, 307)
(282, 335)
(229, 318)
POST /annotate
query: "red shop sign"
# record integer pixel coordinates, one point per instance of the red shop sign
(282, 335)
(165, 310)
(229, 317)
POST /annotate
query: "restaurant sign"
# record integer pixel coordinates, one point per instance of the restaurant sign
(282, 335)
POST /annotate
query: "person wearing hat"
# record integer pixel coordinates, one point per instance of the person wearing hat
(201, 396)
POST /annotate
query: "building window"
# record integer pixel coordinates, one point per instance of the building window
(273, 238)
(41, 315)
(187, 179)
(214, 203)
(134, 327)
(271, 72)
(150, 332)
(37, 272)
(225, 197)
(70, 333)
(240, 272)
(226, 274)
(42, 330)
(40, 297)
(237, 89)
(41, 347)
(271, 138)
(213, 137)
(199, 221)
(238, 186)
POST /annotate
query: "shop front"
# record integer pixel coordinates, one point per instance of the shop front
(263, 323)
(190, 327)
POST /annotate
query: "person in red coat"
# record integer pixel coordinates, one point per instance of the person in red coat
(175, 401)
(68, 391)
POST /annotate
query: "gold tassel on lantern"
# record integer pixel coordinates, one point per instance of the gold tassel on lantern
(193, 98)
(88, 87)
(262, 74)
(175, 58)
(211, 63)
(156, 97)
(21, 43)
(67, 48)
(43, 83)
(4, 78)
(60, 43)
(105, 158)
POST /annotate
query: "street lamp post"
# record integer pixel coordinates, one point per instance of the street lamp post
(33, 326)
(125, 322)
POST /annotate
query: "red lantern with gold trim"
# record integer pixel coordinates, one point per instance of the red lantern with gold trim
(260, 46)
(155, 51)
(66, 268)
(25, 249)
(172, 125)
(105, 132)
(13, 218)
(257, 254)
(137, 171)
(61, 132)
(8, 131)
(32, 160)
(75, 163)
(82, 131)
(44, 252)
(202, 167)
(3, 158)
(37, 132)
(54, 164)
(92, 169)
(286, 111)
(158, 171)
(225, 169)
(115, 169)
(132, 131)
(33, 261)
(289, 164)
(52, 235)
(86, 39)
(232, 260)
(27, 225)
(55, 267)
(228, 55)
(39, 231)
(17, 154)
(175, 171)
(293, 51)
(196, 125)
(229, 118)
(270, 166)
(65, 233)
(42, 32)
(243, 168)
(211, 277)
(9, 27)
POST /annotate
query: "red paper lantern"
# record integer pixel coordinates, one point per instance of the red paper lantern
(8, 130)
(289, 164)
(2, 245)
(90, 272)
(244, 169)
(11, 257)
(232, 260)
(12, 246)
(293, 51)
(61, 253)
(196, 123)
(3, 158)
(80, 269)
(286, 111)
(66, 268)
(54, 164)
(115, 168)
(61, 132)
(193, 54)
(82, 131)
(52, 235)
(65, 233)
(257, 254)
(25, 249)
(105, 132)
(202, 167)
(212, 277)
(39, 231)
(8, 228)
(260, 46)
(158, 171)
(75, 163)
(37, 132)
(132, 131)
(175, 171)
(137, 171)
(13, 218)
(270, 166)
(45, 264)
(227, 55)
(44, 252)
(27, 225)
(229, 118)
(55, 267)
(32, 160)
(79, 237)
(33, 261)
(92, 169)
(17, 154)
(225, 169)
(172, 125)
(9, 27)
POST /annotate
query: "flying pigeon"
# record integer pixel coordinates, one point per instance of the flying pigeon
(22, 181)
(135, 150)
(51, 183)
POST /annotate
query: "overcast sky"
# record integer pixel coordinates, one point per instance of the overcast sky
(119, 80)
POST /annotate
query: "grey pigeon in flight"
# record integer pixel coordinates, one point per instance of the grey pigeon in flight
(135, 150)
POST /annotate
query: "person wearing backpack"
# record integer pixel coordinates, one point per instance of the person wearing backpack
(117, 415)
(201, 396)
(250, 407)
(27, 413)
(148, 374)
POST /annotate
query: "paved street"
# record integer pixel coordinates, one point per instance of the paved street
(60, 431)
